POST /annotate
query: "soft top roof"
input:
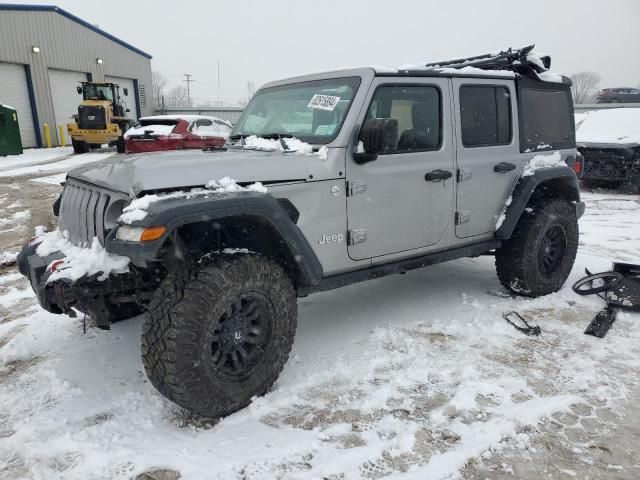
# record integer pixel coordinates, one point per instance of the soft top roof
(509, 63)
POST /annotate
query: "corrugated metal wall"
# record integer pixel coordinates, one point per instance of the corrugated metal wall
(66, 45)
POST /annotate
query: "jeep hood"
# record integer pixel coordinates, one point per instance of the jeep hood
(133, 174)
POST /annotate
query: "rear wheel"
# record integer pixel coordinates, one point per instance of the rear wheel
(79, 146)
(218, 335)
(538, 257)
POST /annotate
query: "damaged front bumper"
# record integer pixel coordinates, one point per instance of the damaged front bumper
(87, 294)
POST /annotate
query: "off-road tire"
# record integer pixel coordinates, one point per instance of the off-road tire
(121, 145)
(523, 262)
(79, 146)
(179, 333)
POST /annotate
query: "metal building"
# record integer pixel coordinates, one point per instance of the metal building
(45, 51)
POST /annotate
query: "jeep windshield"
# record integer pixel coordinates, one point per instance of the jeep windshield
(310, 111)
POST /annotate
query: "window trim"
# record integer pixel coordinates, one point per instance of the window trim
(441, 116)
(526, 147)
(494, 86)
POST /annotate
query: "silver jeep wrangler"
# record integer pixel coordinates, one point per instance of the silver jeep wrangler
(399, 169)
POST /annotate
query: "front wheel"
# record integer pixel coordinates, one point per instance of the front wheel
(220, 333)
(121, 145)
(79, 146)
(539, 256)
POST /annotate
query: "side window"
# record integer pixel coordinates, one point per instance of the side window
(547, 119)
(418, 111)
(485, 114)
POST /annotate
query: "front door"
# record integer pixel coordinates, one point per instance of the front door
(403, 200)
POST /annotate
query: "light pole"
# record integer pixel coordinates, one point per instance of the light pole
(188, 80)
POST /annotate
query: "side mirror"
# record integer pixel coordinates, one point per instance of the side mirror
(79, 90)
(127, 110)
(378, 135)
(125, 90)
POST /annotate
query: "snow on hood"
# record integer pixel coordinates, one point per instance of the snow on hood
(132, 174)
(618, 126)
(152, 129)
(137, 209)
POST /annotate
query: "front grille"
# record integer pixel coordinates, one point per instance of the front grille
(92, 117)
(82, 211)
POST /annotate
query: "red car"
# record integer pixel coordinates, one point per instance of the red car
(173, 132)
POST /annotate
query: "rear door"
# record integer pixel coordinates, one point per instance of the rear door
(391, 207)
(488, 154)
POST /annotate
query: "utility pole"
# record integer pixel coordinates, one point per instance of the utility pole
(188, 80)
(218, 83)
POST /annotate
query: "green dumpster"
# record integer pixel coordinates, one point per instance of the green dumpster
(10, 141)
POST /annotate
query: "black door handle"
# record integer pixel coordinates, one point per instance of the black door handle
(437, 175)
(504, 167)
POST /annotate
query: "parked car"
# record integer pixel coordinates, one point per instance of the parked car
(175, 132)
(609, 141)
(618, 95)
(341, 177)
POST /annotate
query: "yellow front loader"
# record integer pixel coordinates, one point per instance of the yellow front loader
(101, 118)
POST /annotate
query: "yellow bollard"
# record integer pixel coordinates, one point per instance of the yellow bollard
(47, 135)
(61, 140)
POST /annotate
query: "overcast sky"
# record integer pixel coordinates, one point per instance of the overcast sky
(265, 40)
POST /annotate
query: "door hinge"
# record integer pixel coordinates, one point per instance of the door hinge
(357, 236)
(355, 187)
(462, 217)
(463, 174)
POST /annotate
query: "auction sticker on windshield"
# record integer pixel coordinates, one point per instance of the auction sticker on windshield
(323, 102)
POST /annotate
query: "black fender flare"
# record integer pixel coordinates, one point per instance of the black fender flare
(173, 213)
(557, 180)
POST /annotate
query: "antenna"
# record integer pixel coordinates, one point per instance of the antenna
(188, 80)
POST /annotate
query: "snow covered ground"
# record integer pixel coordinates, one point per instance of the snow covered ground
(413, 376)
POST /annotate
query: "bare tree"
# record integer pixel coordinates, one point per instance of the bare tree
(584, 83)
(251, 90)
(177, 97)
(159, 82)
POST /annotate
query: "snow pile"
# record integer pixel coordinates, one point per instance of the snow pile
(161, 130)
(137, 209)
(272, 145)
(543, 161)
(80, 261)
(8, 258)
(229, 185)
(615, 125)
(16, 217)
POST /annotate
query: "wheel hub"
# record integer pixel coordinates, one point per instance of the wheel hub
(551, 250)
(240, 336)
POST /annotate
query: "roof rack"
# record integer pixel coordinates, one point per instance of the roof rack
(516, 60)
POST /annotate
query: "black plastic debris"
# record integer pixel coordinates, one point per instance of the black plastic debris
(520, 324)
(619, 288)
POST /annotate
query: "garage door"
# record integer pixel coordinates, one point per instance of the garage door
(65, 97)
(130, 100)
(14, 92)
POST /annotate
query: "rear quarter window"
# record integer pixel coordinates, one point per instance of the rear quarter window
(546, 119)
